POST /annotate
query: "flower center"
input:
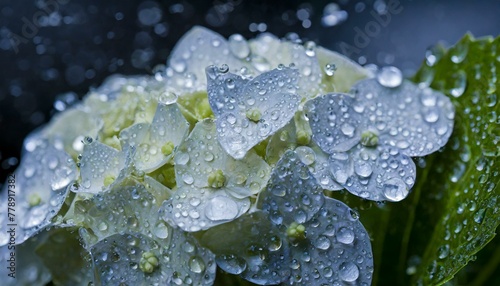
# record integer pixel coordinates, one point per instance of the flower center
(168, 148)
(34, 199)
(216, 179)
(108, 180)
(296, 231)
(254, 115)
(149, 262)
(369, 139)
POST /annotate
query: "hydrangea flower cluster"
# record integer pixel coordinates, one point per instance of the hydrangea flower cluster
(221, 159)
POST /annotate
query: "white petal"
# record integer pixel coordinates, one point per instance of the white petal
(378, 174)
(196, 50)
(417, 121)
(194, 209)
(250, 247)
(311, 155)
(271, 94)
(269, 52)
(334, 121)
(117, 259)
(293, 195)
(67, 136)
(99, 162)
(168, 125)
(338, 249)
(188, 262)
(41, 183)
(346, 72)
(201, 154)
(126, 206)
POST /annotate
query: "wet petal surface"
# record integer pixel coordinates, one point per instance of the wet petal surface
(196, 50)
(155, 142)
(292, 194)
(100, 165)
(246, 116)
(41, 188)
(379, 174)
(417, 121)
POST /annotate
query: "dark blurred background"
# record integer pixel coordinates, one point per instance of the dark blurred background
(53, 51)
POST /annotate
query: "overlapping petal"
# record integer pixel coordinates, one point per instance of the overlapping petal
(196, 50)
(155, 142)
(371, 134)
(299, 238)
(249, 111)
(40, 188)
(203, 200)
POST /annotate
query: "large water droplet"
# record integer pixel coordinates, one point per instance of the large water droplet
(459, 83)
(390, 77)
(196, 264)
(443, 251)
(231, 264)
(349, 272)
(221, 208)
(345, 235)
(395, 189)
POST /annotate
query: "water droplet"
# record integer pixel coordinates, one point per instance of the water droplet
(182, 158)
(363, 169)
(306, 155)
(479, 215)
(167, 97)
(345, 235)
(310, 48)
(196, 264)
(459, 83)
(348, 272)
(103, 226)
(443, 251)
(431, 115)
(347, 129)
(459, 52)
(239, 46)
(161, 230)
(224, 68)
(187, 178)
(390, 77)
(221, 208)
(322, 242)
(330, 69)
(395, 189)
(231, 264)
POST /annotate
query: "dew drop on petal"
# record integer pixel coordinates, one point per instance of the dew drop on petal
(349, 272)
(395, 189)
(221, 208)
(390, 77)
(345, 235)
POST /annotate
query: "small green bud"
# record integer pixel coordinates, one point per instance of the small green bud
(168, 148)
(149, 262)
(34, 199)
(216, 179)
(254, 115)
(303, 130)
(296, 231)
(303, 137)
(369, 139)
(108, 180)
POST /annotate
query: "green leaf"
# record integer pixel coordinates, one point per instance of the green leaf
(460, 193)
